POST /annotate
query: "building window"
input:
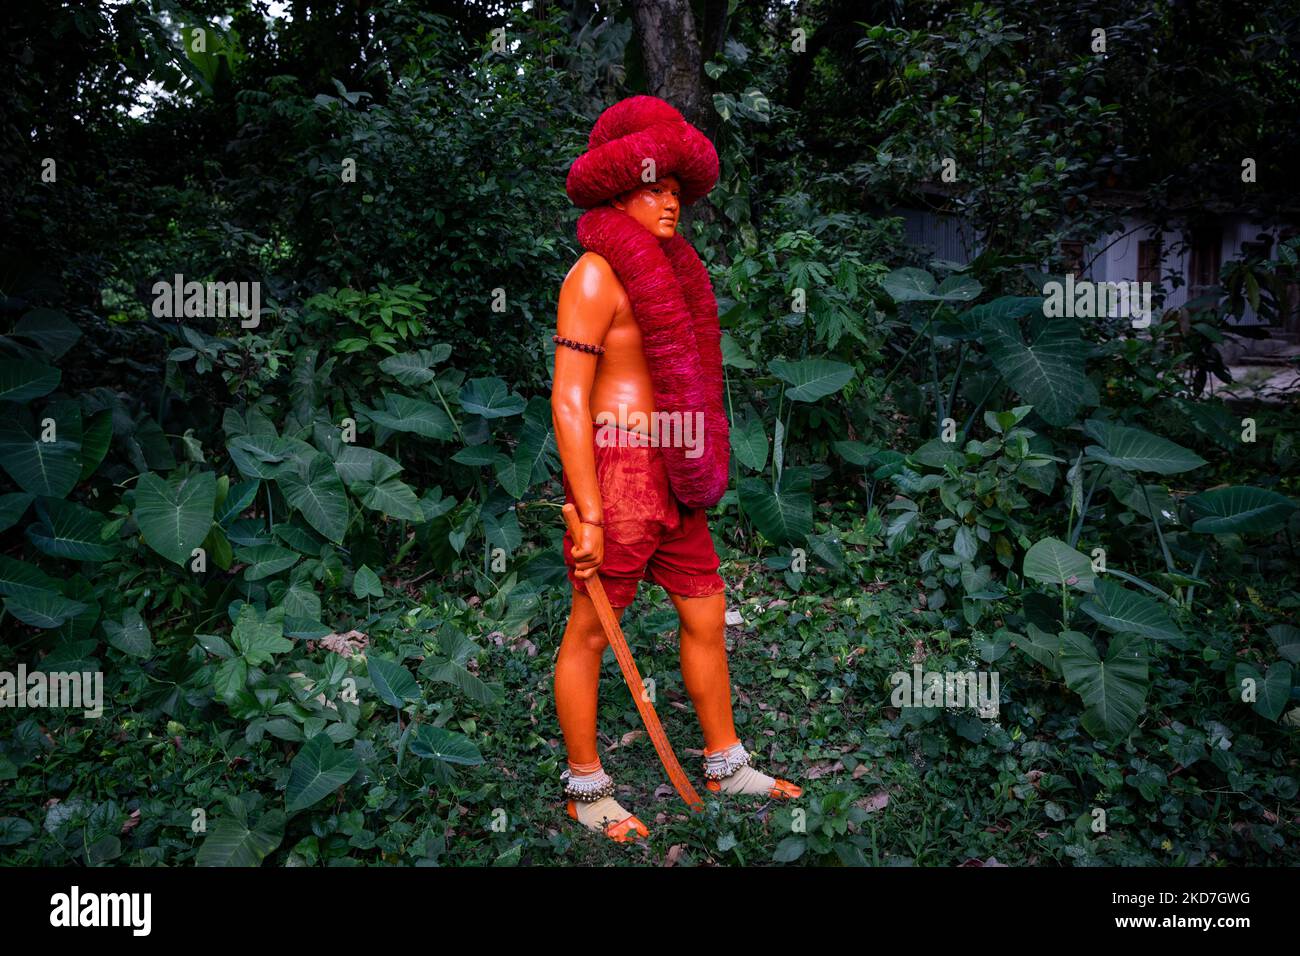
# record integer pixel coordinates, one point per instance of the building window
(1203, 270)
(1150, 253)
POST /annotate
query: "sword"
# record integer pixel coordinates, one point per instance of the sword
(614, 633)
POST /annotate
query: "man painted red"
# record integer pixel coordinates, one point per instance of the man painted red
(638, 345)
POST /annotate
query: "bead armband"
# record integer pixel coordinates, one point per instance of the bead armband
(579, 346)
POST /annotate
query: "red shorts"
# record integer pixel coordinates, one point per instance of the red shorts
(648, 533)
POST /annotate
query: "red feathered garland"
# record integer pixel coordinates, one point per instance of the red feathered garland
(673, 303)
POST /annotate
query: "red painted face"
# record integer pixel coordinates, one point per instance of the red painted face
(654, 205)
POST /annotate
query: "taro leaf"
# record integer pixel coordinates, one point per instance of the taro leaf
(69, 530)
(237, 500)
(854, 452)
(1114, 689)
(992, 648)
(811, 379)
(1042, 646)
(14, 830)
(1047, 372)
(21, 381)
(440, 669)
(517, 474)
(365, 583)
(174, 515)
(314, 488)
(910, 284)
(264, 560)
(358, 463)
(258, 641)
(477, 456)
(1272, 689)
(19, 579)
(749, 443)
(1133, 449)
(1127, 612)
(415, 368)
(448, 746)
(265, 456)
(230, 842)
(130, 635)
(1287, 639)
(12, 507)
(784, 515)
(733, 354)
(393, 682)
(317, 771)
(490, 397)
(402, 414)
(391, 497)
(52, 331)
(95, 439)
(43, 609)
(1240, 510)
(50, 468)
(1055, 562)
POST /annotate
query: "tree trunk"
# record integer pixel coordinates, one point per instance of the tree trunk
(670, 45)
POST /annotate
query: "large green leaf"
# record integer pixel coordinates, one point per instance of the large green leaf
(393, 682)
(266, 456)
(1047, 372)
(910, 284)
(20, 579)
(784, 515)
(231, 842)
(1055, 562)
(1272, 690)
(415, 368)
(317, 771)
(174, 515)
(50, 468)
(1127, 612)
(1113, 689)
(749, 443)
(811, 379)
(52, 331)
(315, 489)
(70, 530)
(1240, 510)
(392, 497)
(21, 381)
(265, 560)
(44, 609)
(403, 414)
(490, 397)
(258, 640)
(1042, 646)
(12, 507)
(448, 746)
(1132, 449)
(1287, 639)
(130, 635)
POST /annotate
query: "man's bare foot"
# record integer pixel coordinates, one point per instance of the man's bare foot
(728, 771)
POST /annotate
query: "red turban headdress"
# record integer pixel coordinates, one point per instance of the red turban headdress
(667, 284)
